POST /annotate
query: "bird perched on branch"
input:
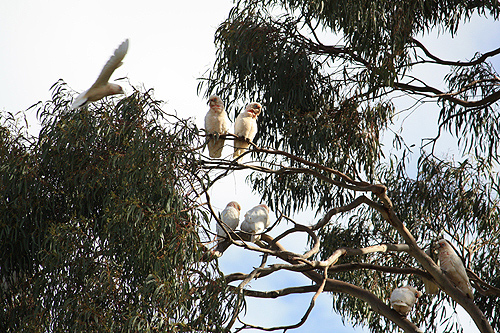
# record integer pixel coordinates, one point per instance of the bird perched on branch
(245, 127)
(231, 217)
(216, 121)
(453, 267)
(403, 299)
(101, 87)
(256, 221)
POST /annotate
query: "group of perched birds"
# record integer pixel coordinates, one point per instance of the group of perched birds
(216, 121)
(403, 298)
(217, 124)
(255, 222)
(257, 219)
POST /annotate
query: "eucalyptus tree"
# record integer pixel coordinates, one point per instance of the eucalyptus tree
(104, 214)
(99, 226)
(326, 108)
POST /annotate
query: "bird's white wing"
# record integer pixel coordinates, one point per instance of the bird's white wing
(247, 226)
(259, 214)
(80, 100)
(231, 217)
(256, 221)
(113, 63)
(454, 268)
(216, 122)
(457, 273)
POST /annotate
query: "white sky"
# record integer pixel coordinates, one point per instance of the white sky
(171, 45)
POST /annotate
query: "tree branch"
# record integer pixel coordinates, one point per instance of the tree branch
(240, 291)
(436, 93)
(305, 316)
(277, 293)
(355, 203)
(439, 61)
(429, 265)
(387, 269)
(375, 303)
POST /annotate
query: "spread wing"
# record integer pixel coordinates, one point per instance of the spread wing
(113, 63)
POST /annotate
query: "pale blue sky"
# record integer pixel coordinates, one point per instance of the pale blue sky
(171, 45)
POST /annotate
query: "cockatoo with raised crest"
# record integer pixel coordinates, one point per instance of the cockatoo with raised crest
(453, 267)
(403, 299)
(216, 121)
(256, 221)
(231, 217)
(245, 127)
(101, 87)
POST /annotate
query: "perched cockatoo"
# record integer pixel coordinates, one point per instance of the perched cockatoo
(231, 217)
(256, 221)
(453, 267)
(430, 286)
(245, 126)
(403, 299)
(216, 121)
(101, 87)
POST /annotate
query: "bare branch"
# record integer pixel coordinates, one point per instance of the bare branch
(355, 203)
(488, 100)
(277, 293)
(304, 317)
(479, 284)
(240, 292)
(387, 269)
(439, 61)
(376, 304)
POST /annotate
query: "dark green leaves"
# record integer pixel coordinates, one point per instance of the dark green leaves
(97, 217)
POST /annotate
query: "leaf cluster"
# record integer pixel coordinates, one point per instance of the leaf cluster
(99, 231)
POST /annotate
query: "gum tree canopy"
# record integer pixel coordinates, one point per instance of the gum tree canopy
(99, 226)
(104, 215)
(326, 106)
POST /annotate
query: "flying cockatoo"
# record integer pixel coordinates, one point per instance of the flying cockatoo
(256, 221)
(216, 121)
(453, 267)
(245, 126)
(231, 217)
(403, 299)
(101, 87)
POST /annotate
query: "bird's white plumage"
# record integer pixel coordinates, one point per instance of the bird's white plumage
(101, 87)
(216, 121)
(453, 267)
(256, 221)
(231, 217)
(403, 299)
(246, 126)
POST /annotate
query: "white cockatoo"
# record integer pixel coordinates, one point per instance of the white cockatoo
(216, 121)
(453, 267)
(245, 126)
(256, 221)
(403, 299)
(231, 217)
(101, 87)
